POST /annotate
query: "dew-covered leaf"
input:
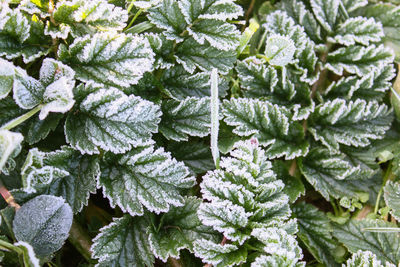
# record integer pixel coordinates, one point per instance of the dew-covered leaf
(269, 123)
(108, 59)
(43, 222)
(124, 242)
(189, 117)
(111, 120)
(178, 230)
(144, 177)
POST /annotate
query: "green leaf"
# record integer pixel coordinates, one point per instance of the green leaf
(6, 77)
(353, 123)
(124, 242)
(9, 141)
(89, 17)
(210, 9)
(144, 177)
(326, 13)
(219, 255)
(269, 124)
(315, 231)
(279, 50)
(189, 117)
(392, 198)
(180, 84)
(28, 255)
(40, 129)
(358, 30)
(333, 175)
(43, 222)
(109, 59)
(178, 230)
(190, 55)
(384, 245)
(111, 120)
(72, 176)
(358, 59)
(352, 5)
(20, 36)
(294, 187)
(364, 259)
(195, 154)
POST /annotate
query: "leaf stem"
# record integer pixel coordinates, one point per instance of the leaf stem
(17, 121)
(135, 17)
(80, 240)
(385, 178)
(6, 245)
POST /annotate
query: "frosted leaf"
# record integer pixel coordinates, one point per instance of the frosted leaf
(358, 59)
(124, 242)
(111, 120)
(43, 222)
(28, 255)
(352, 5)
(89, 17)
(190, 117)
(179, 229)
(358, 30)
(109, 59)
(191, 55)
(65, 173)
(353, 123)
(52, 70)
(219, 255)
(60, 31)
(144, 177)
(146, 4)
(58, 97)
(221, 35)
(6, 77)
(27, 91)
(269, 124)
(9, 141)
(326, 12)
(279, 50)
(364, 259)
(392, 198)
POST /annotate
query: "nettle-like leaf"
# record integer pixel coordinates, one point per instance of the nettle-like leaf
(87, 17)
(144, 176)
(244, 196)
(43, 222)
(365, 259)
(269, 124)
(179, 228)
(109, 59)
(53, 90)
(326, 13)
(65, 173)
(315, 232)
(111, 120)
(359, 60)
(392, 198)
(180, 84)
(358, 30)
(334, 175)
(384, 245)
(353, 123)
(189, 117)
(21, 36)
(372, 86)
(124, 242)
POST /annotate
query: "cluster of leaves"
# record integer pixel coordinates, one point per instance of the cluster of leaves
(130, 94)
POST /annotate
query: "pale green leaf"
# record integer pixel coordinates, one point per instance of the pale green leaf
(392, 198)
(279, 50)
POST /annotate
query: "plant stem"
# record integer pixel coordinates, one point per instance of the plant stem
(130, 6)
(385, 178)
(324, 73)
(134, 18)
(17, 121)
(8, 197)
(80, 240)
(6, 245)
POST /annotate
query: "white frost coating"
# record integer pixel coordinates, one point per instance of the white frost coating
(58, 97)
(61, 31)
(31, 254)
(9, 141)
(27, 91)
(6, 77)
(146, 4)
(209, 251)
(214, 117)
(326, 13)
(279, 50)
